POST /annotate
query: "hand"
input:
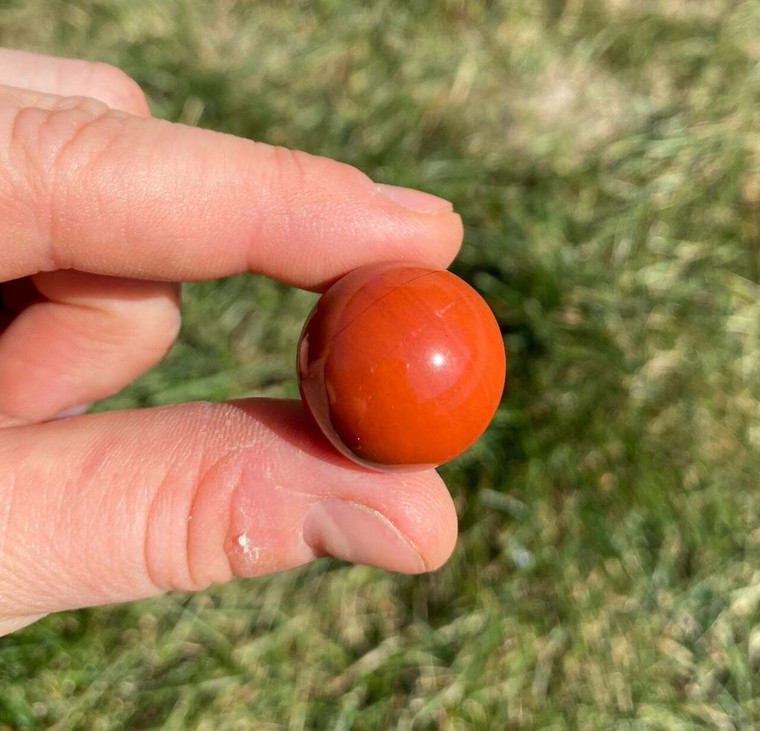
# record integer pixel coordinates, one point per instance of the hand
(103, 209)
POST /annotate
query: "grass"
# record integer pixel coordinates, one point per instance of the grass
(605, 156)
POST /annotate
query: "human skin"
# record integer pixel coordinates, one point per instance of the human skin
(105, 210)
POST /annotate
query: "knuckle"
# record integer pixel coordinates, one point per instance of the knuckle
(292, 168)
(50, 147)
(48, 137)
(299, 167)
(287, 173)
(211, 477)
(295, 171)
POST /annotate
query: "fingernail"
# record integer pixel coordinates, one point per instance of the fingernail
(355, 533)
(415, 200)
(73, 411)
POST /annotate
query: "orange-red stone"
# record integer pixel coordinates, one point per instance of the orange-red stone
(401, 366)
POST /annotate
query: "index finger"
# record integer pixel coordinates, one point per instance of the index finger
(86, 187)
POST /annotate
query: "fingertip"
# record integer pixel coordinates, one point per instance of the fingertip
(426, 229)
(423, 228)
(415, 200)
(383, 231)
(345, 220)
(405, 523)
(424, 513)
(450, 233)
(353, 532)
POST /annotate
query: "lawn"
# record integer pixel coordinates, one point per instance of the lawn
(605, 157)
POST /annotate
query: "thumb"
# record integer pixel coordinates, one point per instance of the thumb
(123, 505)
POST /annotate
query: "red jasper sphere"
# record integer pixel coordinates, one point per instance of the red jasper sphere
(401, 366)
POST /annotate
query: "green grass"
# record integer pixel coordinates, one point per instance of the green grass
(605, 156)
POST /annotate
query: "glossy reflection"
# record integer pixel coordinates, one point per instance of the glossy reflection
(401, 366)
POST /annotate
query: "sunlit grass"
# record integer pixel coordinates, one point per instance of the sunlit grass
(605, 156)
